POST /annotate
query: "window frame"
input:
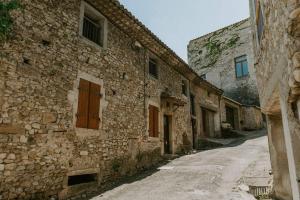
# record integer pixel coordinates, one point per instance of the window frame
(86, 10)
(242, 68)
(153, 61)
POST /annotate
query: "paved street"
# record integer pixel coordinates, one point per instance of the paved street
(208, 175)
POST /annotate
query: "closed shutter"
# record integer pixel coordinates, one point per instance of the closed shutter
(151, 127)
(94, 106)
(155, 122)
(83, 104)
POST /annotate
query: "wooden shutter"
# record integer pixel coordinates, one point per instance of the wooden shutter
(155, 121)
(83, 104)
(94, 106)
(151, 127)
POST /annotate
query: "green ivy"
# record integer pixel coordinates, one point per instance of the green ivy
(216, 47)
(6, 20)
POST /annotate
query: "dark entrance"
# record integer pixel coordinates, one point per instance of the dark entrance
(194, 130)
(167, 145)
(230, 116)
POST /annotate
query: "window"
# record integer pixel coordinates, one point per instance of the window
(88, 105)
(203, 76)
(153, 70)
(92, 30)
(241, 66)
(80, 179)
(184, 86)
(93, 25)
(193, 111)
(153, 121)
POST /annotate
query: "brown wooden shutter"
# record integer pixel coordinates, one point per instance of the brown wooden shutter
(151, 127)
(94, 106)
(155, 121)
(83, 104)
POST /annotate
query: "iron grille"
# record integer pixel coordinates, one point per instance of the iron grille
(92, 30)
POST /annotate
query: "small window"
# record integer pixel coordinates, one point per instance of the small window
(80, 179)
(153, 69)
(193, 111)
(92, 30)
(93, 25)
(88, 105)
(153, 121)
(203, 76)
(184, 86)
(241, 67)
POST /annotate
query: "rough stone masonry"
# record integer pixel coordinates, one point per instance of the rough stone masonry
(45, 62)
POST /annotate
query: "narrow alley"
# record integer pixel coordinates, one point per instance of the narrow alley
(212, 174)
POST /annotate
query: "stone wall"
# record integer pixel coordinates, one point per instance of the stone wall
(209, 100)
(40, 68)
(214, 55)
(278, 83)
(252, 118)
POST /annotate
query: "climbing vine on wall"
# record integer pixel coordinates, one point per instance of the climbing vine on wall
(215, 48)
(6, 20)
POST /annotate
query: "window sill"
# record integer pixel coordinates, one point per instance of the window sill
(84, 132)
(91, 43)
(153, 77)
(243, 77)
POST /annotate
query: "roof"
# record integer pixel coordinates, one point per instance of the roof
(118, 15)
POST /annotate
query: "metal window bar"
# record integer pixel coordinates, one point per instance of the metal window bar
(92, 30)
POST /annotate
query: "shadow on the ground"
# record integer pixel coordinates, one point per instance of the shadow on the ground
(236, 141)
(127, 180)
(146, 173)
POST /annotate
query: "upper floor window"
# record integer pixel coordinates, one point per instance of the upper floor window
(241, 66)
(153, 68)
(88, 105)
(184, 86)
(93, 25)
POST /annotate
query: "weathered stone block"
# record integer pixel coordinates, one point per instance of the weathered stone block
(11, 156)
(49, 118)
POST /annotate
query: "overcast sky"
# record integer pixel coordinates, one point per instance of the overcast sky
(176, 22)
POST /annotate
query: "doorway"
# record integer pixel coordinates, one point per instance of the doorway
(208, 122)
(194, 131)
(167, 134)
(230, 116)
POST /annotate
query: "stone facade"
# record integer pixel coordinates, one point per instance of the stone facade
(242, 117)
(275, 26)
(207, 112)
(213, 56)
(42, 63)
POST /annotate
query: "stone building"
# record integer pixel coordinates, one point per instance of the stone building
(276, 32)
(88, 94)
(225, 58)
(239, 116)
